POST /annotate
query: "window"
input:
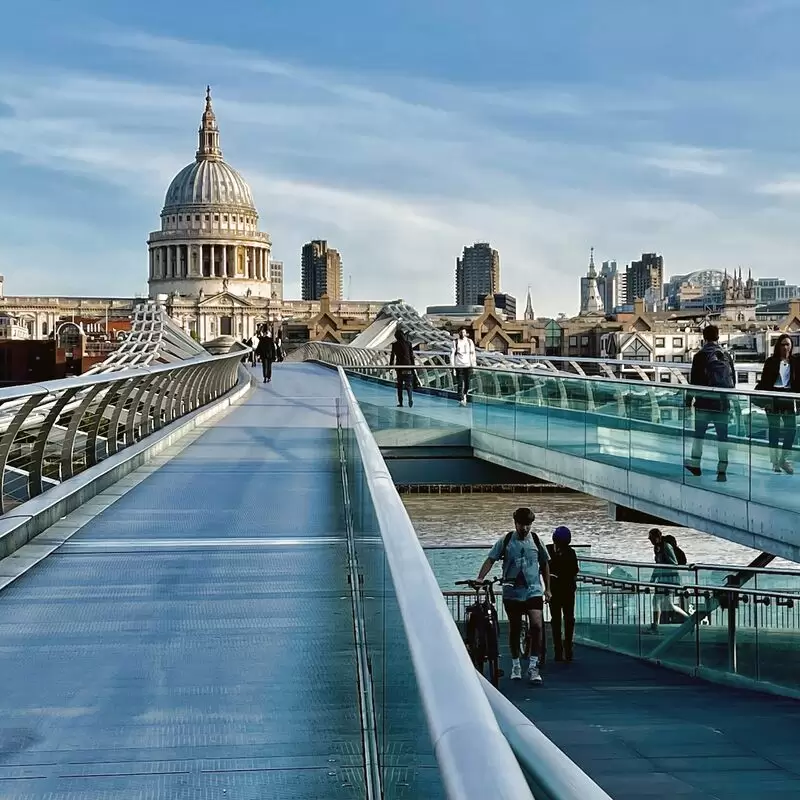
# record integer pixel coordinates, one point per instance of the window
(573, 341)
(678, 359)
(207, 217)
(197, 218)
(659, 341)
(677, 341)
(584, 341)
(180, 217)
(638, 352)
(216, 217)
(660, 358)
(225, 218)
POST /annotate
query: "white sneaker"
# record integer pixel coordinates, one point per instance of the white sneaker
(533, 674)
(463, 401)
(516, 672)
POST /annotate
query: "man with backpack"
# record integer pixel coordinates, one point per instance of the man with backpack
(711, 367)
(524, 558)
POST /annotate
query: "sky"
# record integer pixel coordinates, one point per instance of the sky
(402, 131)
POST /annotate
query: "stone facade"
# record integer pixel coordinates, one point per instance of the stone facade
(209, 264)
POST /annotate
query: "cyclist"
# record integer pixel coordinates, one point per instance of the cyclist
(524, 557)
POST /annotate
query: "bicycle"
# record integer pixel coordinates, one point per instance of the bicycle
(481, 629)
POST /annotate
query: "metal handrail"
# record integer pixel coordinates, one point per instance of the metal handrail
(694, 566)
(474, 758)
(704, 391)
(680, 587)
(551, 773)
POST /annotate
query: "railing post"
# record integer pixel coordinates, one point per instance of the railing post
(40, 444)
(733, 661)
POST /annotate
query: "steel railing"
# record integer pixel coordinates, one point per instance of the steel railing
(52, 431)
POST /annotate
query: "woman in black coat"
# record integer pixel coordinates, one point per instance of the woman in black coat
(781, 374)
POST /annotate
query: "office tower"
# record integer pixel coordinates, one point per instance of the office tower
(276, 278)
(611, 284)
(504, 302)
(477, 274)
(321, 271)
(645, 278)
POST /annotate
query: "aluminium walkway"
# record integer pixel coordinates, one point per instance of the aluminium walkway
(644, 732)
(195, 639)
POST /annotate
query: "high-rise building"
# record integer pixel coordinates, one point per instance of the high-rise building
(322, 271)
(477, 274)
(611, 285)
(645, 279)
(276, 278)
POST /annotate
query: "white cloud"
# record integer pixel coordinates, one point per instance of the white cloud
(687, 160)
(788, 186)
(399, 178)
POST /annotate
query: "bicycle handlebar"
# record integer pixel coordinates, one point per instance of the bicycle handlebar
(481, 584)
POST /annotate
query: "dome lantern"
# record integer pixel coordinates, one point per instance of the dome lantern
(208, 134)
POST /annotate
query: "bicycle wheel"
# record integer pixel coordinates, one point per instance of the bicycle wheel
(492, 652)
(475, 644)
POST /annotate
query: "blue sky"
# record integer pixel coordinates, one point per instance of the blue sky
(403, 130)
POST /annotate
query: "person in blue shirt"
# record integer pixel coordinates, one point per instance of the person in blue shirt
(524, 559)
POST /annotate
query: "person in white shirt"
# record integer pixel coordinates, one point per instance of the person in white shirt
(462, 357)
(781, 375)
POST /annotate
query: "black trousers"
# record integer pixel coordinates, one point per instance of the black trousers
(562, 608)
(405, 380)
(266, 367)
(781, 421)
(463, 375)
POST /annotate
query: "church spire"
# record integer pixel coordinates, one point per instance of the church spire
(208, 134)
(529, 306)
(592, 270)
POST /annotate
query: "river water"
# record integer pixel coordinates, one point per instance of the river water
(480, 519)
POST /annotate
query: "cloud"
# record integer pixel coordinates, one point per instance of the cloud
(398, 173)
(687, 160)
(788, 186)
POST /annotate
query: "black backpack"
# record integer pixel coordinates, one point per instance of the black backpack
(508, 539)
(679, 554)
(718, 370)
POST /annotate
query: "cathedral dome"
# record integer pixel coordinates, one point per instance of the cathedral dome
(209, 180)
(208, 183)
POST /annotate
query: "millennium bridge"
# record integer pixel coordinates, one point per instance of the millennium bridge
(211, 587)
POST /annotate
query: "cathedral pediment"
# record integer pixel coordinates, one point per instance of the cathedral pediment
(225, 299)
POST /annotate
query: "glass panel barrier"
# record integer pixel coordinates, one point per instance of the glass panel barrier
(671, 431)
(455, 712)
(407, 762)
(617, 603)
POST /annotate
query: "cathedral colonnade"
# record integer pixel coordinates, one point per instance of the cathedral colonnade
(217, 260)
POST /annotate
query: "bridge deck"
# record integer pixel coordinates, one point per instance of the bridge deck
(196, 637)
(642, 731)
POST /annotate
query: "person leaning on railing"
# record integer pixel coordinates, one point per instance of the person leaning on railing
(667, 573)
(781, 374)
